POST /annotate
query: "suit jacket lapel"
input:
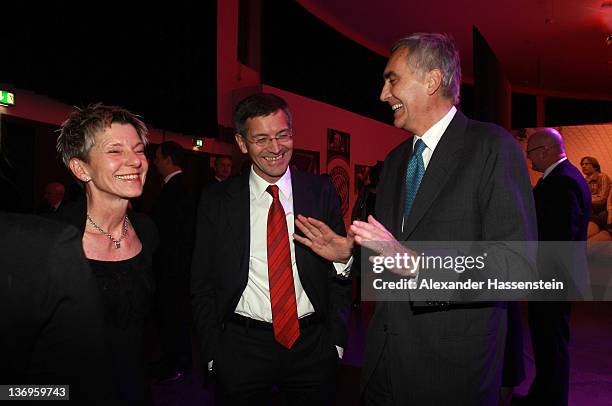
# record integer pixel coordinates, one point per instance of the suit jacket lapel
(303, 204)
(441, 165)
(399, 190)
(238, 207)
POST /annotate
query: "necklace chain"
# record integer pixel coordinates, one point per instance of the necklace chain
(126, 222)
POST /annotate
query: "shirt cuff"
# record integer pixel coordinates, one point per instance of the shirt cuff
(210, 365)
(344, 270)
(340, 352)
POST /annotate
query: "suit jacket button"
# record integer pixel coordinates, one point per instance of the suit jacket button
(385, 328)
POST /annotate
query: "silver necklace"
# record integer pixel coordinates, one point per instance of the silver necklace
(117, 243)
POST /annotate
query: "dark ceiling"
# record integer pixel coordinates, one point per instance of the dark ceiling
(157, 61)
(555, 45)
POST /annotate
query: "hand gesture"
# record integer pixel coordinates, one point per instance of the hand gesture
(374, 236)
(323, 241)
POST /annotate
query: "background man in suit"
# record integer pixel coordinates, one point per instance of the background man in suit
(174, 215)
(53, 196)
(563, 207)
(455, 180)
(222, 168)
(269, 311)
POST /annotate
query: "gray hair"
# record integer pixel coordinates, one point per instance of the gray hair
(429, 51)
(78, 133)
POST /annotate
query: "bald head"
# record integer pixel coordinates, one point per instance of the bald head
(544, 148)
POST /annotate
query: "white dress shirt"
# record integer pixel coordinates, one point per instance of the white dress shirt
(433, 135)
(255, 300)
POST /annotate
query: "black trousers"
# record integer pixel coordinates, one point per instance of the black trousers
(379, 391)
(173, 318)
(249, 363)
(549, 328)
(439, 358)
(513, 372)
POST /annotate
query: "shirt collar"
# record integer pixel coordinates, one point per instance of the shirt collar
(258, 185)
(432, 136)
(170, 176)
(552, 167)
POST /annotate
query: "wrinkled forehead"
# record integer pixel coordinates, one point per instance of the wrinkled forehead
(397, 61)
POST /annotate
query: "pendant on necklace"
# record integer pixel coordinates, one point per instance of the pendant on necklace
(117, 244)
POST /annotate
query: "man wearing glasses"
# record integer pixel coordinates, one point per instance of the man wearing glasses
(271, 312)
(563, 204)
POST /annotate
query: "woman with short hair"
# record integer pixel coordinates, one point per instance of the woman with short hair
(104, 148)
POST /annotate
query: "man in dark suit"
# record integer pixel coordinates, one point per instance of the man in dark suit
(455, 180)
(563, 206)
(174, 215)
(222, 168)
(270, 312)
(53, 196)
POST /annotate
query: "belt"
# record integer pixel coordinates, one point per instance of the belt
(248, 322)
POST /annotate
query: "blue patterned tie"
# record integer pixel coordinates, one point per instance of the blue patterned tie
(414, 175)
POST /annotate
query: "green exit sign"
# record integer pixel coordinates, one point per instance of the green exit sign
(7, 98)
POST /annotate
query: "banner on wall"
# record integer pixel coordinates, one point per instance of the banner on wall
(338, 165)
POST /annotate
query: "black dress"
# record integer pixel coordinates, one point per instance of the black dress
(51, 318)
(126, 288)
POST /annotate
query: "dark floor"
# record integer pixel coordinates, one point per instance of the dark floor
(590, 375)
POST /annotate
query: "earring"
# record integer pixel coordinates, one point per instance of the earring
(86, 179)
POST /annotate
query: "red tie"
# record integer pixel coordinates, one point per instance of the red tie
(280, 275)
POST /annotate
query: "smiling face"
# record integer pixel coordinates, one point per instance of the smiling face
(405, 92)
(270, 160)
(117, 165)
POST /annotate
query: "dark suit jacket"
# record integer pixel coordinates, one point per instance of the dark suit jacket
(51, 318)
(174, 216)
(220, 265)
(563, 206)
(475, 188)
(46, 209)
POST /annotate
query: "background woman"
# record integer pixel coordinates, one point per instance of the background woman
(104, 148)
(599, 183)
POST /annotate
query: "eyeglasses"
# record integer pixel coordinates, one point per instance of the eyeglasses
(529, 151)
(265, 140)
